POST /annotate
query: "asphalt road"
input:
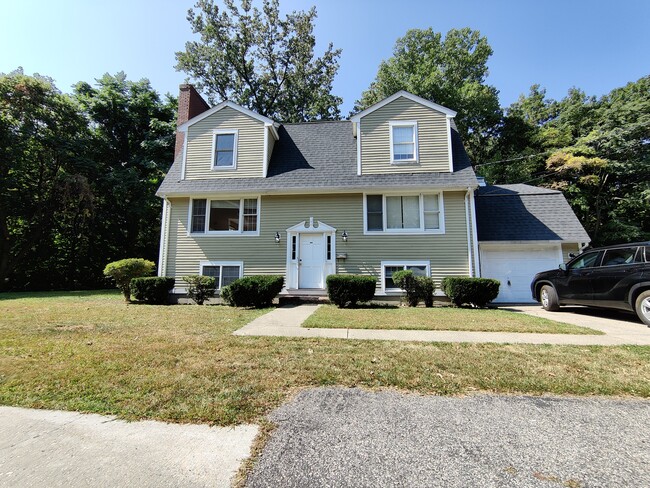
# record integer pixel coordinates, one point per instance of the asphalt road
(336, 437)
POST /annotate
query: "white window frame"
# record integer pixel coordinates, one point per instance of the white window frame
(203, 264)
(217, 132)
(404, 263)
(421, 230)
(240, 232)
(416, 155)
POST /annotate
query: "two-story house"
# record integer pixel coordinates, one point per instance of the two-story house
(392, 188)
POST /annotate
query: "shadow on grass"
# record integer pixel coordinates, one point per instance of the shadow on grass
(17, 295)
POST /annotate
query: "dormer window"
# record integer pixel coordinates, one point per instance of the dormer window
(224, 151)
(403, 142)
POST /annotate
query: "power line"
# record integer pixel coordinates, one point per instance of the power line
(513, 159)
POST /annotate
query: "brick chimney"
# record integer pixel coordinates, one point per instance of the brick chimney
(190, 104)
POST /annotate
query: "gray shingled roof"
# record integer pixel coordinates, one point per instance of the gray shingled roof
(321, 156)
(526, 213)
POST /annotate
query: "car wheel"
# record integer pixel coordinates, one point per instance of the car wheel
(548, 297)
(642, 307)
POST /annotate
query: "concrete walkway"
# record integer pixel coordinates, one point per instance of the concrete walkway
(286, 322)
(68, 449)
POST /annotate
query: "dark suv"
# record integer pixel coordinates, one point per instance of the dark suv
(607, 277)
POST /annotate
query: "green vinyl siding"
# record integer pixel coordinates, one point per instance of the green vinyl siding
(447, 252)
(250, 146)
(433, 138)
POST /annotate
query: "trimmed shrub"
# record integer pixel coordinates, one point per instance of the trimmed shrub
(407, 282)
(252, 291)
(474, 291)
(417, 288)
(125, 270)
(427, 286)
(348, 290)
(200, 288)
(152, 289)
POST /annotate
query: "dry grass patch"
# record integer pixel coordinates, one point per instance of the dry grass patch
(439, 318)
(94, 353)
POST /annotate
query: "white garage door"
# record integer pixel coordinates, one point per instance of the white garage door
(515, 267)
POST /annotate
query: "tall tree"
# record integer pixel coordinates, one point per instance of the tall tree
(450, 71)
(42, 149)
(261, 61)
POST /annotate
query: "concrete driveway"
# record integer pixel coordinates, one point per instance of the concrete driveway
(349, 437)
(44, 448)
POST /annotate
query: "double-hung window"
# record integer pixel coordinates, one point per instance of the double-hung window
(404, 213)
(419, 268)
(223, 273)
(225, 216)
(224, 149)
(403, 142)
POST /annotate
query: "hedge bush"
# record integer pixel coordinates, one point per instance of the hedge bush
(152, 289)
(348, 290)
(253, 291)
(474, 291)
(200, 288)
(125, 270)
(417, 288)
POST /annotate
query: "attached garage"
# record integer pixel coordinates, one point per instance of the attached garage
(523, 230)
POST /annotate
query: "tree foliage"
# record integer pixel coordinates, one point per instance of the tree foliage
(597, 151)
(261, 61)
(450, 72)
(78, 175)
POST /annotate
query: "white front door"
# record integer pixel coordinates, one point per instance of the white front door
(312, 259)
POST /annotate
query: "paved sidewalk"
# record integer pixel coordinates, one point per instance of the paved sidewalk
(286, 322)
(67, 449)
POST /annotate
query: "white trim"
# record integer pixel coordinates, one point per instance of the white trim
(405, 94)
(470, 260)
(404, 232)
(184, 156)
(358, 126)
(265, 156)
(232, 233)
(405, 262)
(477, 262)
(451, 154)
(404, 123)
(162, 265)
(240, 264)
(293, 265)
(218, 132)
(222, 105)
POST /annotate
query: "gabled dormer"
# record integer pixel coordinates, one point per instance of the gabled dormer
(404, 133)
(226, 141)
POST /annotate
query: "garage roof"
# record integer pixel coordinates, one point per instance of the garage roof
(526, 213)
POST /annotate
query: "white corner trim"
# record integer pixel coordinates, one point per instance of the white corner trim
(477, 263)
(470, 260)
(404, 123)
(265, 156)
(358, 125)
(213, 159)
(221, 106)
(162, 251)
(405, 94)
(449, 147)
(186, 136)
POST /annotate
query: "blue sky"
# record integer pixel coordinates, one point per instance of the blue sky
(595, 45)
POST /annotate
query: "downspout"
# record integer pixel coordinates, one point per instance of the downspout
(162, 252)
(472, 201)
(469, 237)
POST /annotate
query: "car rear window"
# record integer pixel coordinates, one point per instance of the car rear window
(615, 257)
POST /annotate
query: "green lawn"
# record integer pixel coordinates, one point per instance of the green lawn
(439, 318)
(91, 352)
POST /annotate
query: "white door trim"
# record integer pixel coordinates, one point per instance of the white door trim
(294, 234)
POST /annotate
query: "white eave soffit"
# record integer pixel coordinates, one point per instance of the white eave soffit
(267, 122)
(402, 93)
